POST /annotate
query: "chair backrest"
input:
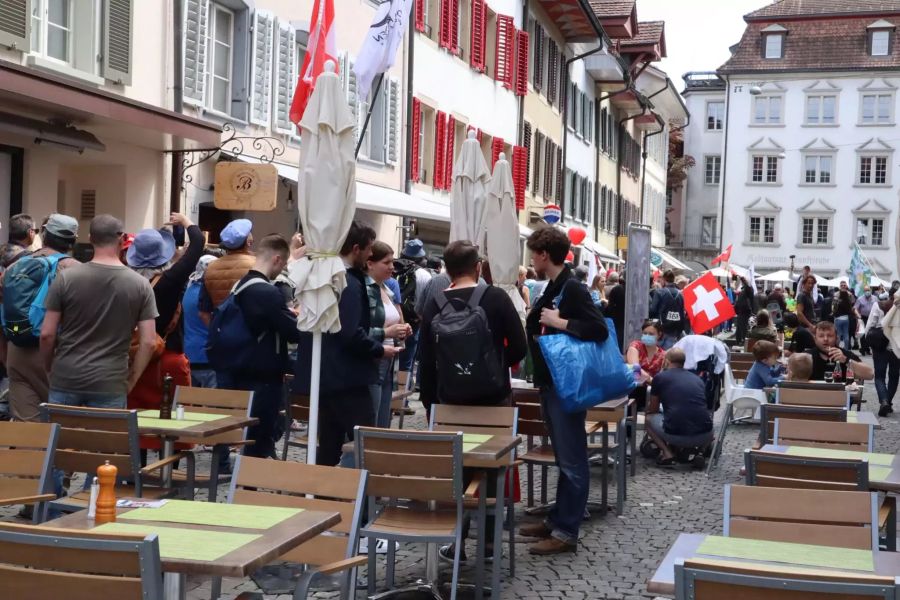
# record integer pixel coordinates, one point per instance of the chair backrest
(37, 562)
(26, 459)
(835, 398)
(264, 482)
(418, 466)
(89, 437)
(802, 516)
(810, 385)
(216, 401)
(741, 357)
(776, 469)
(488, 420)
(708, 579)
(770, 412)
(857, 437)
(299, 407)
(531, 422)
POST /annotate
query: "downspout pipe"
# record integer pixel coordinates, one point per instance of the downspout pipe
(411, 45)
(724, 164)
(177, 100)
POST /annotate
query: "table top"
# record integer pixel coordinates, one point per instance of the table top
(197, 429)
(494, 453)
(889, 483)
(865, 417)
(685, 547)
(266, 546)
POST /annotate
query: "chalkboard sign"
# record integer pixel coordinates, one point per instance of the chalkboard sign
(637, 281)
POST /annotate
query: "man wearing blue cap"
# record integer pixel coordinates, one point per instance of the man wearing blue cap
(221, 276)
(413, 277)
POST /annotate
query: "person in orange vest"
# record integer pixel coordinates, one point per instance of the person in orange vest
(221, 276)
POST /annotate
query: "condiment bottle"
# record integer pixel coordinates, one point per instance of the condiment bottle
(165, 406)
(106, 499)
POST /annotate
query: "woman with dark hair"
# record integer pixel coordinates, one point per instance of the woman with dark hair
(649, 356)
(763, 330)
(842, 310)
(743, 308)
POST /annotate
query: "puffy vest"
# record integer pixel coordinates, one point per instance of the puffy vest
(222, 274)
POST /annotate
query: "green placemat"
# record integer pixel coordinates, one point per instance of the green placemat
(475, 438)
(197, 417)
(186, 544)
(211, 513)
(470, 447)
(164, 423)
(884, 460)
(877, 473)
(792, 554)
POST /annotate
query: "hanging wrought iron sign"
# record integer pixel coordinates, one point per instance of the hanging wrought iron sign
(265, 150)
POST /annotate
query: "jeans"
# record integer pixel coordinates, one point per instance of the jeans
(570, 446)
(842, 325)
(408, 355)
(886, 364)
(88, 399)
(381, 394)
(203, 378)
(268, 401)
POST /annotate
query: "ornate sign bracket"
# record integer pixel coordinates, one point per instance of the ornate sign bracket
(267, 147)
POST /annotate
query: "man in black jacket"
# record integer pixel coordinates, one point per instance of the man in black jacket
(667, 306)
(564, 308)
(349, 357)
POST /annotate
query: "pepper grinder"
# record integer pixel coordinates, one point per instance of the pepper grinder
(106, 499)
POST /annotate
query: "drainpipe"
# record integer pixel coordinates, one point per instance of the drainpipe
(724, 163)
(407, 174)
(178, 100)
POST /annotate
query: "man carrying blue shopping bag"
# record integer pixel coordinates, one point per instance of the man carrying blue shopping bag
(564, 309)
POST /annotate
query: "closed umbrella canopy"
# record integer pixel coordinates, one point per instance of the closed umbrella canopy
(500, 237)
(468, 191)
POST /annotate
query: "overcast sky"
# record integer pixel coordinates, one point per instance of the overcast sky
(698, 32)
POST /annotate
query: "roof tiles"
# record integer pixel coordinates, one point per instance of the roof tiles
(795, 8)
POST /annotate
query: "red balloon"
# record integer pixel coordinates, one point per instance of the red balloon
(570, 257)
(577, 235)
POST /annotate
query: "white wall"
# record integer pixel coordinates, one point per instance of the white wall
(700, 199)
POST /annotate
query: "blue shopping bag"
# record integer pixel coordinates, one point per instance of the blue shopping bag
(585, 373)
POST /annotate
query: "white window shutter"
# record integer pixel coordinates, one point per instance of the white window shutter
(393, 129)
(261, 71)
(15, 24)
(118, 16)
(286, 69)
(196, 28)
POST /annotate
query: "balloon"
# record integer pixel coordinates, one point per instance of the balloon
(570, 257)
(577, 235)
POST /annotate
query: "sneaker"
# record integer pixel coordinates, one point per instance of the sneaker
(551, 546)
(448, 552)
(535, 530)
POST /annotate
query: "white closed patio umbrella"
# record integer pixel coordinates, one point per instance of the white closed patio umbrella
(500, 233)
(468, 191)
(326, 203)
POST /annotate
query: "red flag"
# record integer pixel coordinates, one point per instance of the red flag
(322, 47)
(724, 257)
(706, 304)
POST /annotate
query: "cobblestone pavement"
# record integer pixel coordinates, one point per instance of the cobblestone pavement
(617, 554)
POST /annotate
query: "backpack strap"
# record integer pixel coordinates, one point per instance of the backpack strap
(477, 295)
(256, 280)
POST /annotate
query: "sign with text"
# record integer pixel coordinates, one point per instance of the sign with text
(241, 186)
(706, 304)
(637, 285)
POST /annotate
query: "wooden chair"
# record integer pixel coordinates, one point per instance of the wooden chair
(775, 469)
(38, 563)
(709, 579)
(263, 482)
(297, 410)
(616, 422)
(486, 420)
(26, 464)
(834, 398)
(238, 403)
(770, 412)
(857, 437)
(415, 491)
(400, 398)
(89, 437)
(538, 451)
(802, 516)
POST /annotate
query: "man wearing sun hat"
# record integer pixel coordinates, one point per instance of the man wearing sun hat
(221, 276)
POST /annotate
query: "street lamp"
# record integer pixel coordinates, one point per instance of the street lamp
(755, 90)
(792, 257)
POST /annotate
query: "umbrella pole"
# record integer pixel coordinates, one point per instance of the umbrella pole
(362, 132)
(315, 375)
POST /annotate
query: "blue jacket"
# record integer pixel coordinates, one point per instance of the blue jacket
(349, 358)
(195, 330)
(762, 376)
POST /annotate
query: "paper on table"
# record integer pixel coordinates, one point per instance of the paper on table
(164, 423)
(792, 554)
(186, 544)
(211, 513)
(884, 460)
(197, 417)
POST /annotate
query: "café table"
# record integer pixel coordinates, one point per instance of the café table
(195, 425)
(688, 546)
(216, 540)
(884, 469)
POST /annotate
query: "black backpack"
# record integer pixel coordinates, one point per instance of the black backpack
(876, 339)
(405, 273)
(671, 311)
(468, 366)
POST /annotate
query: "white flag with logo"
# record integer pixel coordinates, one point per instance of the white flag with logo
(751, 275)
(382, 40)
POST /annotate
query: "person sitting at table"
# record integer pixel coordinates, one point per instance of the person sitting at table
(802, 339)
(799, 368)
(763, 330)
(684, 420)
(646, 353)
(765, 372)
(826, 354)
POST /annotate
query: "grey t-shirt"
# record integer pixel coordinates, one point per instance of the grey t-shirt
(100, 305)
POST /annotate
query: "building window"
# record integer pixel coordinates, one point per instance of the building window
(715, 116)
(814, 231)
(821, 110)
(709, 231)
(713, 170)
(764, 169)
(762, 230)
(774, 47)
(767, 110)
(870, 231)
(221, 44)
(52, 29)
(817, 169)
(880, 42)
(873, 170)
(877, 109)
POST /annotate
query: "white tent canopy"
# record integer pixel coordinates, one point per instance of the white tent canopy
(777, 276)
(719, 272)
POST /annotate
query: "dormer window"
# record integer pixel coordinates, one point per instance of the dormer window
(881, 34)
(773, 42)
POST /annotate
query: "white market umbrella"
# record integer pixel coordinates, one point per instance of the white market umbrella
(719, 272)
(468, 191)
(500, 233)
(326, 203)
(836, 282)
(777, 276)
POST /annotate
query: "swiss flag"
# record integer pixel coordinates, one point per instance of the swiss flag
(706, 304)
(722, 258)
(322, 47)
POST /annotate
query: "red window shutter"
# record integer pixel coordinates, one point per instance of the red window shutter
(479, 134)
(414, 166)
(446, 33)
(420, 15)
(496, 149)
(521, 63)
(454, 24)
(526, 141)
(520, 174)
(479, 35)
(506, 31)
(440, 148)
(449, 157)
